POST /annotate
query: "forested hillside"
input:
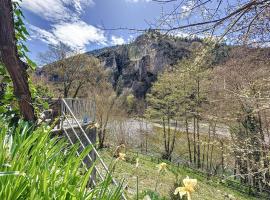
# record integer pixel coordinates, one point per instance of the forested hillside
(135, 66)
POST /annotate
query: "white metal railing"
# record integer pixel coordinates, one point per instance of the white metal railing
(71, 120)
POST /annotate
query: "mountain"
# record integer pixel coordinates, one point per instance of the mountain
(135, 66)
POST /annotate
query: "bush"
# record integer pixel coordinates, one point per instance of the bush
(35, 166)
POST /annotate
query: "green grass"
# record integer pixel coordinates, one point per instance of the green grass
(147, 172)
(155, 146)
(181, 146)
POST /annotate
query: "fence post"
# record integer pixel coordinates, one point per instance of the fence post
(92, 135)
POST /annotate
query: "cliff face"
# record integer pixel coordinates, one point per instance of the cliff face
(136, 66)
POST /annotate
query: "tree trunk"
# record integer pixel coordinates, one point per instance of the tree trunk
(169, 137)
(100, 136)
(266, 124)
(188, 139)
(174, 137)
(212, 147)
(194, 140)
(10, 58)
(222, 156)
(66, 89)
(146, 143)
(198, 126)
(164, 134)
(208, 147)
(77, 90)
(203, 156)
(198, 145)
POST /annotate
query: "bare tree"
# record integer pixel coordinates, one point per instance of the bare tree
(72, 70)
(105, 99)
(244, 86)
(246, 20)
(240, 21)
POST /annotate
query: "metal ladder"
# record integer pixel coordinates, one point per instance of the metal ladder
(69, 120)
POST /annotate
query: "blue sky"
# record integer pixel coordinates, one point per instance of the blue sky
(79, 23)
(84, 24)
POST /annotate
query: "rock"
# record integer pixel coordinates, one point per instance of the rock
(139, 63)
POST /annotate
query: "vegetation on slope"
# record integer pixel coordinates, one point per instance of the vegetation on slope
(207, 189)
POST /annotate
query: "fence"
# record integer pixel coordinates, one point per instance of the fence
(233, 184)
(72, 124)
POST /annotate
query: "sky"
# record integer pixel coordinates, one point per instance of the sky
(85, 24)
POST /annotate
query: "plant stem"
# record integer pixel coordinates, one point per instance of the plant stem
(157, 182)
(137, 187)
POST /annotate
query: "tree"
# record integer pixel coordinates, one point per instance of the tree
(243, 86)
(106, 108)
(243, 21)
(10, 35)
(162, 105)
(183, 94)
(191, 80)
(180, 93)
(101, 91)
(69, 69)
(240, 21)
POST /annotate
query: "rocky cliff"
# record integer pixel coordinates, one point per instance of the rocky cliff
(135, 66)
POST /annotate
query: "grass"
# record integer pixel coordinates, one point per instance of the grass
(147, 172)
(181, 146)
(180, 154)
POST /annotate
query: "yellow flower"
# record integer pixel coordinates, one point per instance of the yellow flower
(189, 185)
(147, 197)
(97, 125)
(162, 167)
(137, 162)
(121, 156)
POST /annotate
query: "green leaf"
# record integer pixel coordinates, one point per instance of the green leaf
(46, 105)
(14, 173)
(31, 63)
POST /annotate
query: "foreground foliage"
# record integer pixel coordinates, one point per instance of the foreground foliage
(35, 166)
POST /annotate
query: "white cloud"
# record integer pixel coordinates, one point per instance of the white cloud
(77, 35)
(181, 34)
(65, 22)
(131, 38)
(80, 4)
(117, 40)
(187, 8)
(55, 10)
(43, 35)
